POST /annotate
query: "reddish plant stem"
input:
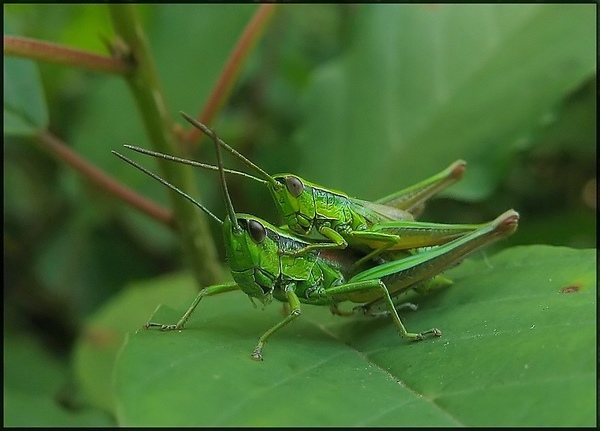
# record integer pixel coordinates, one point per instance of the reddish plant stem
(54, 53)
(232, 68)
(59, 150)
(144, 84)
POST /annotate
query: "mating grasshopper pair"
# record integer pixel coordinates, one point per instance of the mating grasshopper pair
(334, 248)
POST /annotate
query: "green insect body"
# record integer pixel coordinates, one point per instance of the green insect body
(264, 267)
(407, 272)
(333, 219)
(415, 234)
(306, 207)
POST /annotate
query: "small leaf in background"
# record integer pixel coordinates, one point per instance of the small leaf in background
(34, 385)
(25, 111)
(105, 332)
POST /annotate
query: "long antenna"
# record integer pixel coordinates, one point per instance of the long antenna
(169, 185)
(247, 162)
(226, 198)
(191, 162)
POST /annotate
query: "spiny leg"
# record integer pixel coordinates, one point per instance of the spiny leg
(207, 291)
(359, 286)
(370, 309)
(373, 308)
(413, 198)
(335, 310)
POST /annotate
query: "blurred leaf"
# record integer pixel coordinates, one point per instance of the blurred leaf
(191, 44)
(25, 109)
(577, 228)
(22, 360)
(33, 380)
(33, 410)
(78, 260)
(518, 349)
(26, 196)
(423, 85)
(81, 18)
(573, 128)
(104, 333)
(80, 26)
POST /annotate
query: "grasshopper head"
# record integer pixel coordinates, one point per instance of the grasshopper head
(295, 201)
(251, 244)
(293, 196)
(253, 255)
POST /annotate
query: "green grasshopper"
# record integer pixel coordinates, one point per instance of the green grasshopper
(260, 268)
(312, 211)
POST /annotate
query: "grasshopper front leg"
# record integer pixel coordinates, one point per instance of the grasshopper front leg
(338, 241)
(295, 311)
(207, 291)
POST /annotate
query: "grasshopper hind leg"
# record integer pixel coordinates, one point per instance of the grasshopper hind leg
(371, 311)
(335, 310)
(377, 284)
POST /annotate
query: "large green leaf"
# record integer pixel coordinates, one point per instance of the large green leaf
(423, 85)
(518, 348)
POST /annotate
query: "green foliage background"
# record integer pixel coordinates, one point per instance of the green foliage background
(362, 98)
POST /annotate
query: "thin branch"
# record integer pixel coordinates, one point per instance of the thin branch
(60, 151)
(246, 42)
(145, 86)
(54, 53)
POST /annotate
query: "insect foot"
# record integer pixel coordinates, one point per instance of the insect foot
(160, 326)
(433, 331)
(257, 354)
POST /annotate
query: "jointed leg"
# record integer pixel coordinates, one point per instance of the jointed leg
(378, 284)
(412, 198)
(295, 312)
(207, 291)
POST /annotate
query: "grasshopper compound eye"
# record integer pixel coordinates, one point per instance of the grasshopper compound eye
(294, 186)
(257, 231)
